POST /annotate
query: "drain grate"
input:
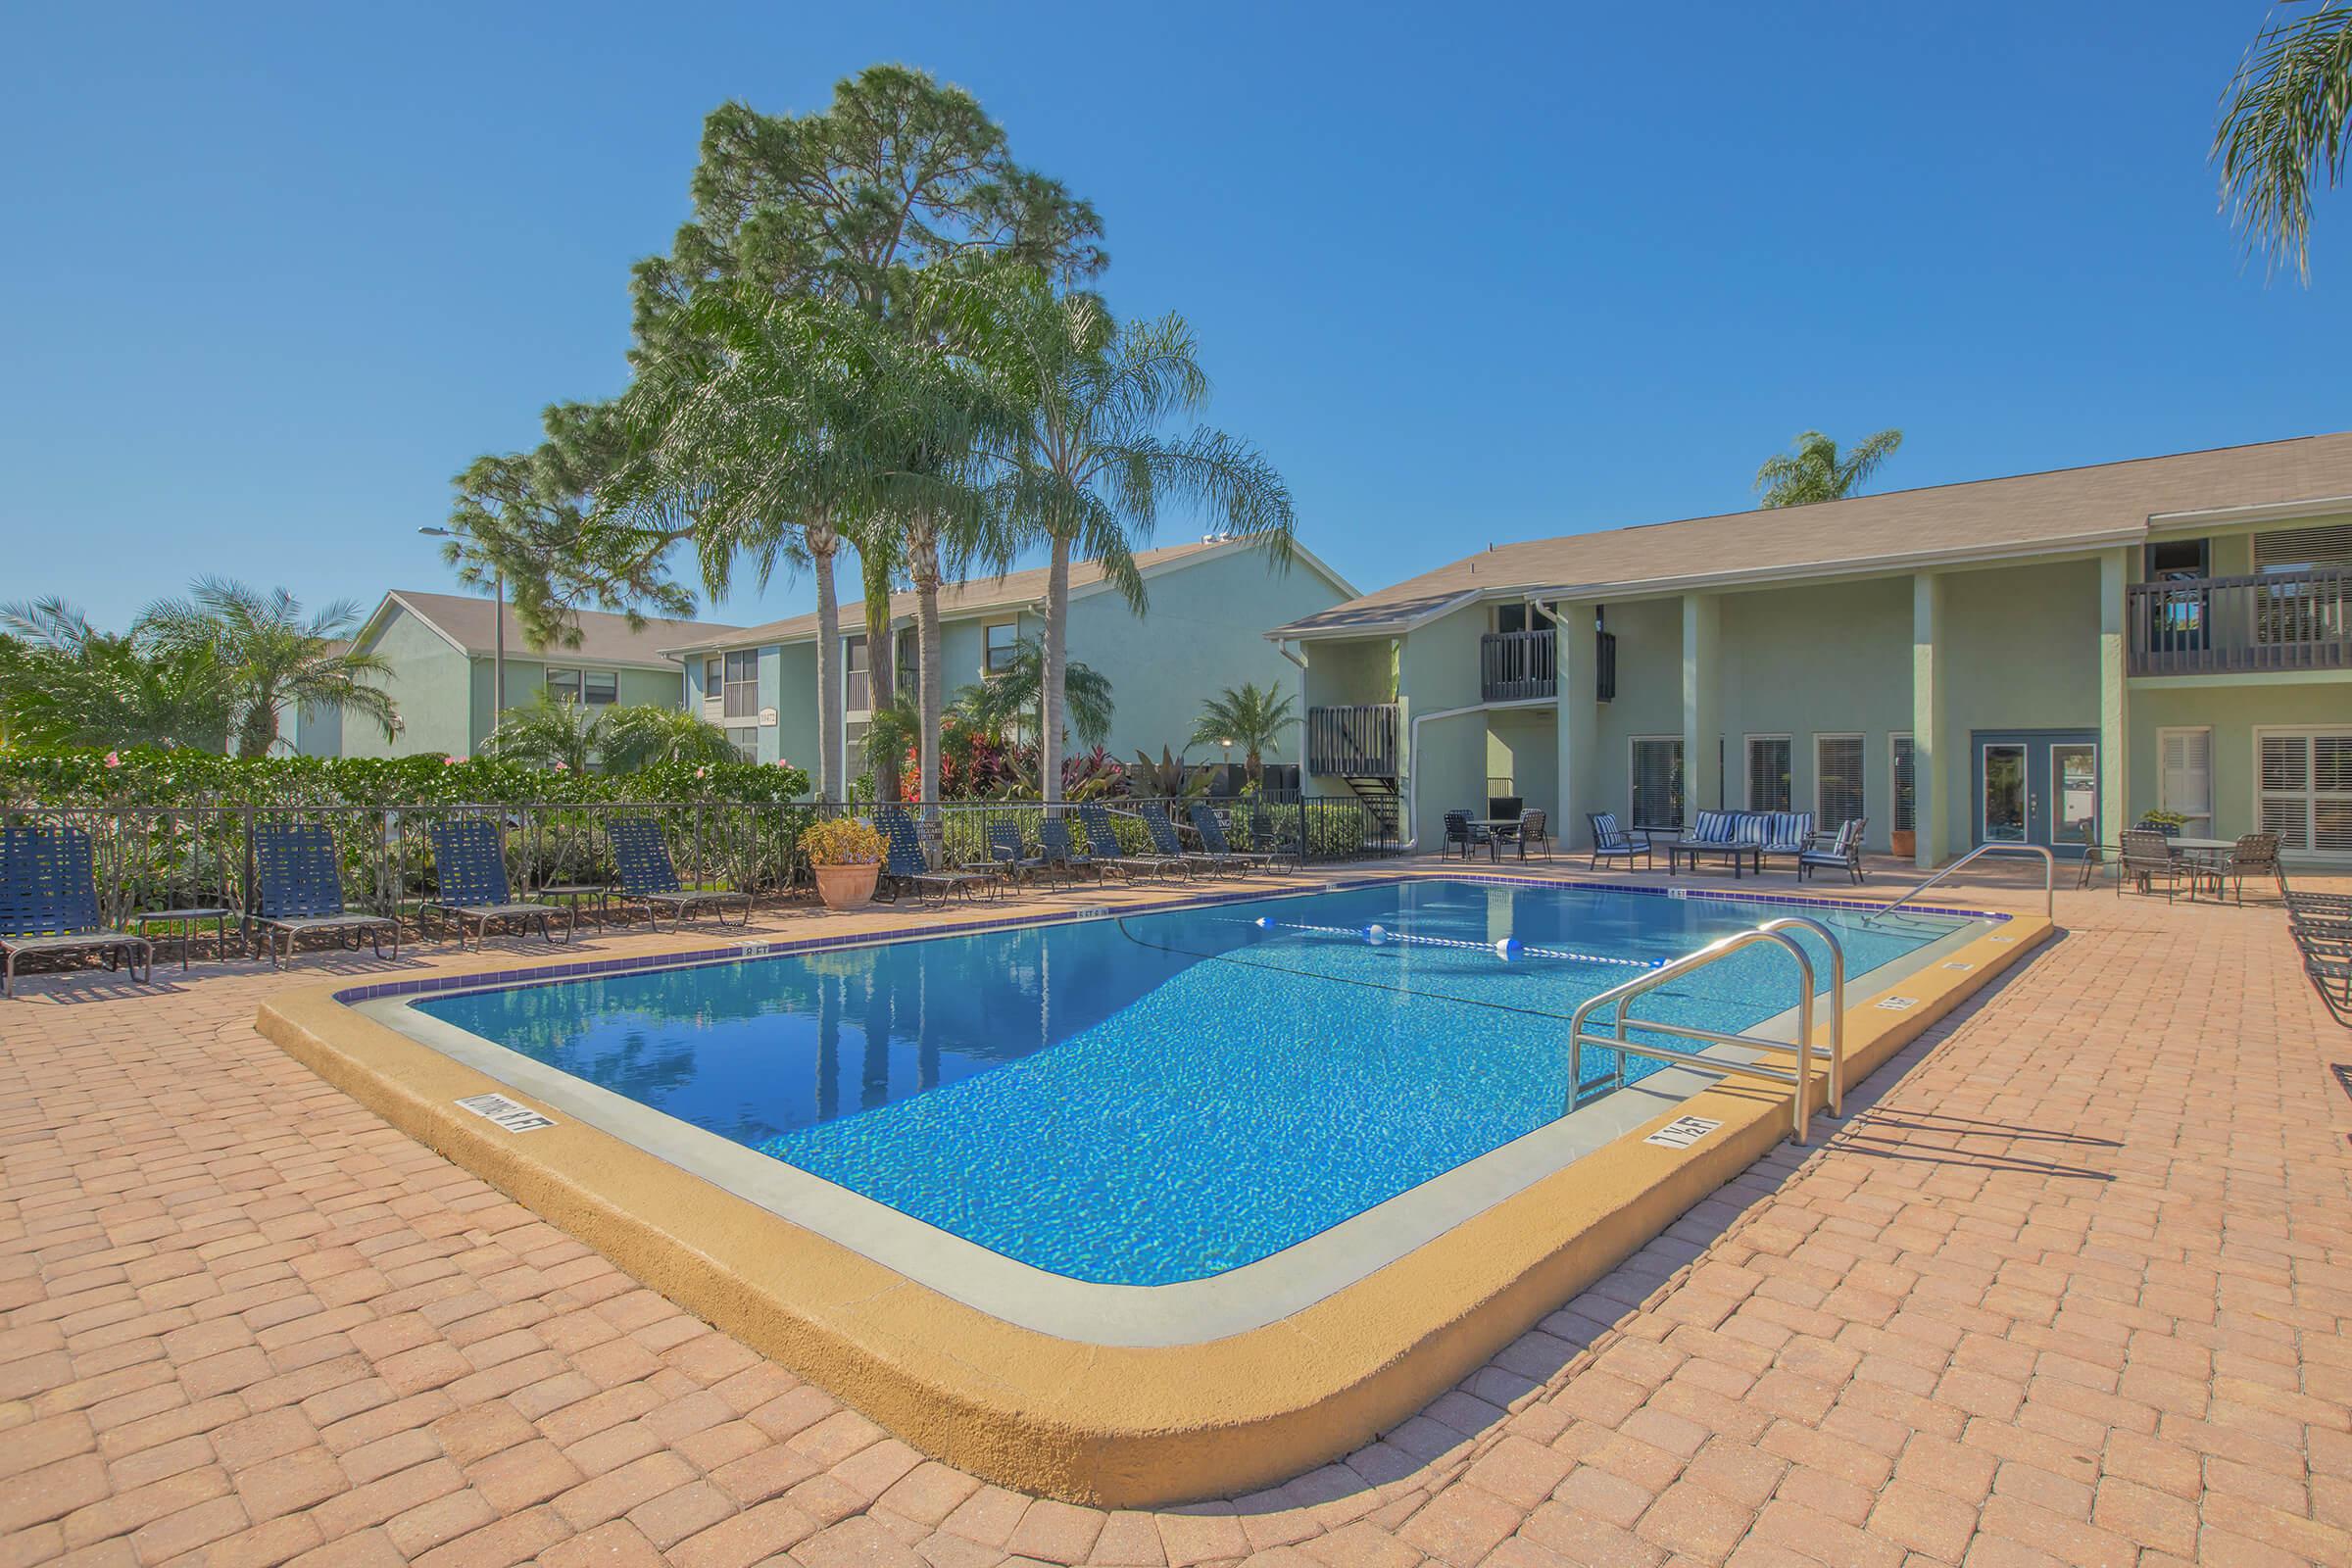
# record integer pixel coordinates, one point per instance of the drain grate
(512, 1115)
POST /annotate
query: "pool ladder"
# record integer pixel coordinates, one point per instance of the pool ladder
(1800, 1072)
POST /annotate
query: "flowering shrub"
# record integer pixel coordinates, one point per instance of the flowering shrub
(841, 841)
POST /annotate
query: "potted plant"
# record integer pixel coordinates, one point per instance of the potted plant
(2168, 823)
(1904, 841)
(846, 857)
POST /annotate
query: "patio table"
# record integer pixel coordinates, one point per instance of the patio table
(1739, 854)
(187, 919)
(1490, 824)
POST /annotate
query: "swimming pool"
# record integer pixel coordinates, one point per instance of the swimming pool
(1160, 1098)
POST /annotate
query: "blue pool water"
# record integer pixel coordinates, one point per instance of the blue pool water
(1165, 1097)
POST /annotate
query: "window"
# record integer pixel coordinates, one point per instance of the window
(563, 685)
(1768, 787)
(858, 690)
(1837, 779)
(2305, 778)
(2301, 549)
(1657, 796)
(714, 679)
(2185, 772)
(1004, 640)
(599, 688)
(1905, 781)
(741, 695)
(2172, 559)
(745, 738)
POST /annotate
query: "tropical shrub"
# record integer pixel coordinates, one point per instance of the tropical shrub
(841, 841)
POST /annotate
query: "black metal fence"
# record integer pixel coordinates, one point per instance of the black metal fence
(169, 857)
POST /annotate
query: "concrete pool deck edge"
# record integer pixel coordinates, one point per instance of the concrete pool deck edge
(1108, 1425)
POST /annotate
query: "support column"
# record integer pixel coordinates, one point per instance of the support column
(1930, 758)
(1576, 663)
(2115, 736)
(1703, 705)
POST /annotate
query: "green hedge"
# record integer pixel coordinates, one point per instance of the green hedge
(147, 776)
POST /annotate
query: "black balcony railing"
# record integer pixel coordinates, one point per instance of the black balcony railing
(2224, 625)
(1358, 740)
(1517, 664)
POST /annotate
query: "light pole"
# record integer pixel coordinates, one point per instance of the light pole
(497, 632)
(1227, 743)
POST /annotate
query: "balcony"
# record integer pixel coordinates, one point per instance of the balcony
(2277, 620)
(1516, 664)
(1352, 742)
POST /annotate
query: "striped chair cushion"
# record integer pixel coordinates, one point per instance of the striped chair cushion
(1786, 832)
(1606, 834)
(1714, 827)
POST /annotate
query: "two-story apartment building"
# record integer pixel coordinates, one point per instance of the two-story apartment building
(1197, 636)
(2037, 658)
(443, 649)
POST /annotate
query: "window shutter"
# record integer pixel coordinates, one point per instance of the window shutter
(1657, 782)
(1836, 781)
(1768, 772)
(2291, 548)
(2185, 782)
(1907, 784)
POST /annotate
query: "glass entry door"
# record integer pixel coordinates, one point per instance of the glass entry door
(2037, 787)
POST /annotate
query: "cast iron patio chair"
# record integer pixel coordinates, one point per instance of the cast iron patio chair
(299, 890)
(49, 903)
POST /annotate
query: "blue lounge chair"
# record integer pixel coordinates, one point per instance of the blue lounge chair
(1613, 842)
(1719, 833)
(1054, 834)
(1010, 857)
(648, 876)
(299, 890)
(1213, 842)
(1095, 817)
(1277, 845)
(905, 867)
(470, 883)
(49, 903)
(1165, 840)
(1841, 851)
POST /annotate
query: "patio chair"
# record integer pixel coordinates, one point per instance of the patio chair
(1613, 842)
(1010, 857)
(1054, 833)
(49, 903)
(2322, 938)
(2147, 860)
(1789, 833)
(1459, 829)
(1166, 843)
(1841, 849)
(299, 889)
(1095, 817)
(2253, 855)
(1211, 834)
(1532, 827)
(470, 883)
(1277, 845)
(648, 876)
(905, 867)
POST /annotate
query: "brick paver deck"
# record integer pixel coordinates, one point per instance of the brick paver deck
(2069, 1284)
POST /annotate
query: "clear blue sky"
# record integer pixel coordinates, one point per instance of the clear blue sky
(276, 274)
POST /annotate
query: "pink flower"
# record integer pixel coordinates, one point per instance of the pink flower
(699, 772)
(563, 767)
(783, 761)
(451, 761)
(114, 759)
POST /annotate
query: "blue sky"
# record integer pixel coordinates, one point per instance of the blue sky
(276, 274)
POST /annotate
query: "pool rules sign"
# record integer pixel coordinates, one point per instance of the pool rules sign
(1681, 1132)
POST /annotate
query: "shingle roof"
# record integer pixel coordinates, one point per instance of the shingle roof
(604, 638)
(2033, 513)
(971, 596)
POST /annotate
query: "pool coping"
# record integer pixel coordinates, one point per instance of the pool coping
(1113, 1425)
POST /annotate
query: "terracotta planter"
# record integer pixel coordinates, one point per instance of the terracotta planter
(847, 887)
(1905, 842)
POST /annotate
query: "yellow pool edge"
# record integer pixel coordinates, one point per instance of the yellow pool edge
(1112, 1426)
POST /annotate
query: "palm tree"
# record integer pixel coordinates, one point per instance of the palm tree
(1089, 469)
(2282, 124)
(644, 734)
(65, 683)
(1015, 695)
(1816, 471)
(758, 441)
(549, 732)
(1253, 719)
(277, 658)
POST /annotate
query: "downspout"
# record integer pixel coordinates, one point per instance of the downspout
(1283, 647)
(1412, 775)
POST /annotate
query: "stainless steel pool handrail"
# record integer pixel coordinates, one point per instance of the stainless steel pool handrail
(1799, 1075)
(2049, 878)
